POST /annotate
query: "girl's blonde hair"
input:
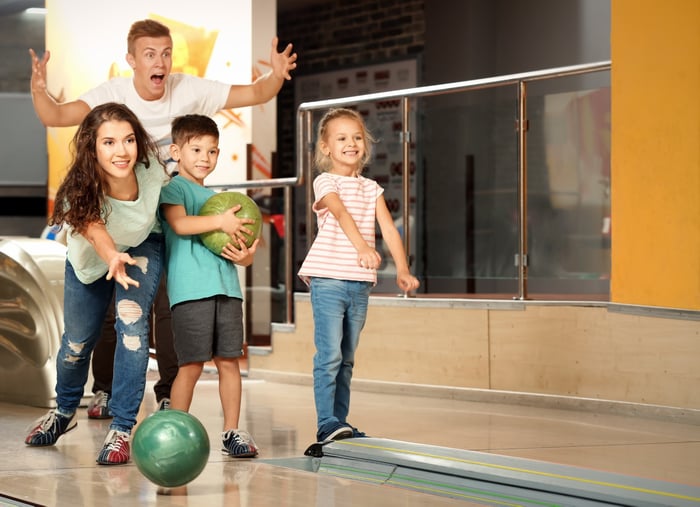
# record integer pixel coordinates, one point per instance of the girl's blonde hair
(321, 161)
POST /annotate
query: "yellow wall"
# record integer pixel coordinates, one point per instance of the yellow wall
(655, 50)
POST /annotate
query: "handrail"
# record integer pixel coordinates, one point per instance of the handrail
(472, 84)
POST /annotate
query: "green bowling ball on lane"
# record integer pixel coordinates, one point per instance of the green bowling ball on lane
(170, 448)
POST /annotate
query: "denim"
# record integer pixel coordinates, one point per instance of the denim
(339, 312)
(84, 308)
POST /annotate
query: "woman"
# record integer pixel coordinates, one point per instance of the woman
(108, 201)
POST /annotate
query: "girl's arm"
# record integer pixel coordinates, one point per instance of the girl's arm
(404, 279)
(185, 225)
(367, 257)
(97, 235)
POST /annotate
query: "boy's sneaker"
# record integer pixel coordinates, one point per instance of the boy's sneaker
(115, 450)
(98, 408)
(164, 404)
(239, 444)
(337, 433)
(47, 429)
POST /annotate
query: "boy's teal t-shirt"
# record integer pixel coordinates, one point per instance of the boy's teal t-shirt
(193, 271)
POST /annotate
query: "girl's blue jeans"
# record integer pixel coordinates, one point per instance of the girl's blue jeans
(84, 308)
(339, 311)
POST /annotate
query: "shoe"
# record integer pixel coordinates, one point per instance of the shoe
(115, 450)
(239, 444)
(357, 433)
(164, 404)
(338, 433)
(47, 429)
(98, 408)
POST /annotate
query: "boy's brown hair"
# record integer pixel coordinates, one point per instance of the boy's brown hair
(189, 126)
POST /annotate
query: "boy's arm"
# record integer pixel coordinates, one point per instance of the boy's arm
(267, 86)
(97, 235)
(243, 256)
(50, 112)
(185, 225)
(392, 238)
(367, 257)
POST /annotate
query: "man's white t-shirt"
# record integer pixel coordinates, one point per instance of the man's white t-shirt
(184, 94)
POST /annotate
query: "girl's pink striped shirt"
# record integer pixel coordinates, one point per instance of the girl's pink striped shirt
(332, 255)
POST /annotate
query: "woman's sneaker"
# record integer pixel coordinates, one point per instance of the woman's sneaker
(98, 408)
(46, 430)
(239, 444)
(115, 450)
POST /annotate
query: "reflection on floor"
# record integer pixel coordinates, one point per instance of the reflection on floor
(281, 418)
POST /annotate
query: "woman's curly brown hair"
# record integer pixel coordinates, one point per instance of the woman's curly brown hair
(81, 197)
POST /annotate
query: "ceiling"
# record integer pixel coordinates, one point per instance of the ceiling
(9, 7)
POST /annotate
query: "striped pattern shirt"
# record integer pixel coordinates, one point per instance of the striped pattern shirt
(332, 255)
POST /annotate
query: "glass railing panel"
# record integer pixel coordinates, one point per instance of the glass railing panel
(467, 192)
(568, 187)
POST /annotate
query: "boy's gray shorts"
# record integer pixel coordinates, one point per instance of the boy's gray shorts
(207, 328)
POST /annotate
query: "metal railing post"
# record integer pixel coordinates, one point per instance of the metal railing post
(522, 189)
(288, 261)
(406, 175)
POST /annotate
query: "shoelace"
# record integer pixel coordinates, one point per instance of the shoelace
(246, 438)
(45, 422)
(101, 398)
(117, 442)
(235, 436)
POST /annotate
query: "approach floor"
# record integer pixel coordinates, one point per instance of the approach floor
(281, 419)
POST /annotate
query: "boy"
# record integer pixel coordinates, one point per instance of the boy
(156, 96)
(203, 288)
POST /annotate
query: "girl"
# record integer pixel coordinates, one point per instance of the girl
(108, 200)
(341, 265)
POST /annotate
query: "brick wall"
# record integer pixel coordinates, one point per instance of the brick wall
(333, 35)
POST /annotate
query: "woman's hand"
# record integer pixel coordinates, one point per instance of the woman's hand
(117, 270)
